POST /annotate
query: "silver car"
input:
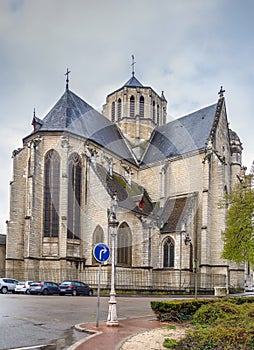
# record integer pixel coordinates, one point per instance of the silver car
(7, 285)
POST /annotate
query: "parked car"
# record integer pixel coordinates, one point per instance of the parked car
(249, 288)
(7, 285)
(23, 287)
(44, 287)
(75, 288)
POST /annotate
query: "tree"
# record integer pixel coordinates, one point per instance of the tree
(238, 236)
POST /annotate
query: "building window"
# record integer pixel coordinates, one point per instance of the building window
(113, 111)
(124, 245)
(132, 107)
(98, 237)
(51, 194)
(158, 114)
(74, 196)
(164, 115)
(29, 172)
(153, 111)
(141, 106)
(119, 109)
(168, 253)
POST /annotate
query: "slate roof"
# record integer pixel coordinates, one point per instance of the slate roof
(181, 136)
(174, 213)
(72, 114)
(129, 196)
(133, 82)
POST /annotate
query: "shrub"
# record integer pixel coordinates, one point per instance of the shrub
(221, 326)
(216, 312)
(181, 310)
(218, 338)
(169, 343)
(177, 310)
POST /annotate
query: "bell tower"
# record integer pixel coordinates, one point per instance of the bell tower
(137, 110)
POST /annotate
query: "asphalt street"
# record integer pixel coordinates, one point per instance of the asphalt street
(47, 322)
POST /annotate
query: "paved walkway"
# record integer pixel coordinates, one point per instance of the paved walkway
(104, 337)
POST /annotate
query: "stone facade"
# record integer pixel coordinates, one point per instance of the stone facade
(170, 224)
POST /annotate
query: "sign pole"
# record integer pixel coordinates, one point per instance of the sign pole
(101, 253)
(98, 296)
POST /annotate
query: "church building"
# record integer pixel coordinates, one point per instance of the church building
(167, 176)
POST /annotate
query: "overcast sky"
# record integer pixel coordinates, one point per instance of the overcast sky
(187, 48)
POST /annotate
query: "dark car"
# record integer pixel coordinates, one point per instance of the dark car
(44, 287)
(75, 288)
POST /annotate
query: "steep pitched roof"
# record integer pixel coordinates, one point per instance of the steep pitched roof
(174, 212)
(72, 114)
(181, 136)
(129, 195)
(133, 82)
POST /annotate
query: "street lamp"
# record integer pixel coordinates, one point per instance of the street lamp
(187, 241)
(112, 224)
(181, 250)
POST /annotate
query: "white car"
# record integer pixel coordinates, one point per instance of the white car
(249, 288)
(23, 287)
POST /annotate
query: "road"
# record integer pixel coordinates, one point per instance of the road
(36, 321)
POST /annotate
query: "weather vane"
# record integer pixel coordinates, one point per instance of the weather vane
(67, 78)
(133, 64)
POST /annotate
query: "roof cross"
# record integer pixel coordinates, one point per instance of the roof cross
(67, 78)
(133, 64)
(221, 92)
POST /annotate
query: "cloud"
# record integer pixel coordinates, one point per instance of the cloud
(187, 48)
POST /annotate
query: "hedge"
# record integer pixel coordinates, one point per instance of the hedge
(183, 310)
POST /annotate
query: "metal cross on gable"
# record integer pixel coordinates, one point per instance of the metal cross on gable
(67, 78)
(221, 92)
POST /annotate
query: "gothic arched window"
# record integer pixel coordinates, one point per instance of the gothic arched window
(119, 109)
(124, 245)
(153, 111)
(158, 114)
(141, 106)
(98, 237)
(74, 196)
(113, 111)
(51, 193)
(132, 107)
(168, 253)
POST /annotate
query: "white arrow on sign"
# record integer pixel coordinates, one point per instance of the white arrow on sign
(102, 251)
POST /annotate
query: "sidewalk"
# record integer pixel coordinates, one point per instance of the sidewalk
(111, 338)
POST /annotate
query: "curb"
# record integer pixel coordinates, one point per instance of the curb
(93, 333)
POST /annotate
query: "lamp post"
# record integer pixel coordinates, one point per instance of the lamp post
(112, 224)
(181, 252)
(187, 241)
(196, 278)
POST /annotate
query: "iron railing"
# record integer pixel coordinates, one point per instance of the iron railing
(138, 279)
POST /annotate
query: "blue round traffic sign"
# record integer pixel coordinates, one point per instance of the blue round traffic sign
(101, 252)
